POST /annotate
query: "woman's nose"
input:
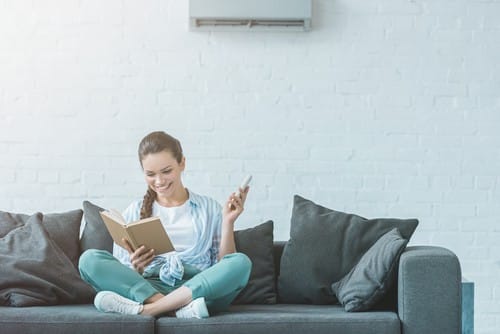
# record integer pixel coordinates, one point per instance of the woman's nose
(158, 179)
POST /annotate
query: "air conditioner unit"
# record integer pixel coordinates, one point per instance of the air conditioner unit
(213, 15)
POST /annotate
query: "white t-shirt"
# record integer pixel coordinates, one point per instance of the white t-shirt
(178, 222)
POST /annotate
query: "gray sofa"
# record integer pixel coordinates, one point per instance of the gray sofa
(428, 300)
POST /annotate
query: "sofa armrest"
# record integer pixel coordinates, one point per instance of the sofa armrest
(429, 291)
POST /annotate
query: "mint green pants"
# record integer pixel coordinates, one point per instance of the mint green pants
(219, 284)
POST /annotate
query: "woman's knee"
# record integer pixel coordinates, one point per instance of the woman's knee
(89, 260)
(241, 263)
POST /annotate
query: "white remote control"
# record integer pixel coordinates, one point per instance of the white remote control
(244, 184)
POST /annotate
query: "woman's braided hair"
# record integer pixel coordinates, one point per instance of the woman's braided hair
(156, 142)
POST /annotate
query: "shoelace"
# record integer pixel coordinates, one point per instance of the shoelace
(189, 309)
(123, 306)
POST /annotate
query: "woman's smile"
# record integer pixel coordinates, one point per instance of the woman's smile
(163, 188)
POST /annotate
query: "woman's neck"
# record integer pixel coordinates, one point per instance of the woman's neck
(177, 199)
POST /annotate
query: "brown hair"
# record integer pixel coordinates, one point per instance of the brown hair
(156, 142)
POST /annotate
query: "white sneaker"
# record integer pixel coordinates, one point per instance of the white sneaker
(108, 301)
(196, 309)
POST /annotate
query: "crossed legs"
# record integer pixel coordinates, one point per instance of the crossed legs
(219, 284)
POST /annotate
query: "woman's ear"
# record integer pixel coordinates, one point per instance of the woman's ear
(182, 165)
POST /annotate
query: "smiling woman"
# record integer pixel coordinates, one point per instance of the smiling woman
(163, 162)
(203, 274)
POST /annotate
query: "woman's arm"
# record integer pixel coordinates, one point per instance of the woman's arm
(230, 212)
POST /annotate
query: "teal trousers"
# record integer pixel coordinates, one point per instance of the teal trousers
(219, 284)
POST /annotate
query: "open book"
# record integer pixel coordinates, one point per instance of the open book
(148, 232)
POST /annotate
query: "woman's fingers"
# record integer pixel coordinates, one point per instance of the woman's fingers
(238, 199)
(141, 258)
(128, 247)
(244, 193)
(235, 202)
(140, 264)
(141, 254)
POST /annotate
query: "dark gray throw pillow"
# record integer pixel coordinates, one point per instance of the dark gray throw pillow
(374, 274)
(95, 234)
(63, 228)
(324, 246)
(35, 271)
(257, 244)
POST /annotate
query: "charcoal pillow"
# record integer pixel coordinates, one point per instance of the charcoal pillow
(257, 244)
(35, 271)
(95, 235)
(324, 246)
(63, 228)
(373, 276)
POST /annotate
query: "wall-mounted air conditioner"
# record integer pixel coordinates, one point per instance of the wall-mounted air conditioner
(287, 15)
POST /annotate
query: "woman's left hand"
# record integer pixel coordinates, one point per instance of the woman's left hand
(234, 206)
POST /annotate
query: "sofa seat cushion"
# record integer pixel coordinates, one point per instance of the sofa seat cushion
(285, 318)
(74, 319)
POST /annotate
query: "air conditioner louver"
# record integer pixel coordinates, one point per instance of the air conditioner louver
(231, 15)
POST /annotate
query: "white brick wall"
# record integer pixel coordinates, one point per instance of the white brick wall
(387, 108)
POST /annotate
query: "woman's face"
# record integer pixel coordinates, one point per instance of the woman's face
(163, 173)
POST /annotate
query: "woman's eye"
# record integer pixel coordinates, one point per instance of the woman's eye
(166, 171)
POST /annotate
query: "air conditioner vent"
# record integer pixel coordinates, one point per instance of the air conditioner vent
(231, 15)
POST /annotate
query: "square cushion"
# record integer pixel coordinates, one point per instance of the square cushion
(324, 246)
(35, 271)
(374, 274)
(95, 234)
(63, 228)
(257, 244)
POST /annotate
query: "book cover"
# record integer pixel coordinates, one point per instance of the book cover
(147, 231)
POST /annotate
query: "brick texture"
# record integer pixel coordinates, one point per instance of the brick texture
(386, 108)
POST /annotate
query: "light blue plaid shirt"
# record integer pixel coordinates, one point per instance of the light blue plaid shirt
(207, 219)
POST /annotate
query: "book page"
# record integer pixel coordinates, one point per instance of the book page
(148, 232)
(116, 228)
(117, 216)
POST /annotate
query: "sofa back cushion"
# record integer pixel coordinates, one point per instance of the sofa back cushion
(63, 228)
(373, 276)
(324, 246)
(35, 271)
(95, 235)
(257, 244)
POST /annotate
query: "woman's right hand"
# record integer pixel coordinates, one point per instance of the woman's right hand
(140, 258)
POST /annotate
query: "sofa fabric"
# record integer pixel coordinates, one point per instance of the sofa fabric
(440, 268)
(257, 244)
(74, 319)
(95, 235)
(286, 319)
(373, 275)
(63, 228)
(324, 246)
(35, 271)
(429, 291)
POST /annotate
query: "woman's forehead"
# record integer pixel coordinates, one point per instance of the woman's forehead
(158, 161)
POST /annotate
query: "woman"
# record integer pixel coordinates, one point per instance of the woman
(204, 273)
